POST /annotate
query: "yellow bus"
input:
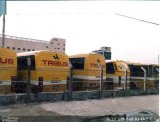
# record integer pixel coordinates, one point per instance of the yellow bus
(49, 71)
(116, 75)
(86, 71)
(8, 69)
(137, 76)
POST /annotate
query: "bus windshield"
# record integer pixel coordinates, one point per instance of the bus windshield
(22, 62)
(110, 68)
(78, 63)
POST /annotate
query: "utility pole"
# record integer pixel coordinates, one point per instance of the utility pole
(3, 10)
(3, 31)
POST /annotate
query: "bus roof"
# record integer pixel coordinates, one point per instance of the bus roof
(116, 61)
(8, 50)
(35, 53)
(83, 55)
(139, 63)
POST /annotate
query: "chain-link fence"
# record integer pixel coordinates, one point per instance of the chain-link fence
(76, 95)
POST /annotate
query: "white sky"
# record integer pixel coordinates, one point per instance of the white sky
(89, 25)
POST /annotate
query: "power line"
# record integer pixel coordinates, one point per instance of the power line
(137, 19)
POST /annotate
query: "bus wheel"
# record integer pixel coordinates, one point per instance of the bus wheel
(133, 85)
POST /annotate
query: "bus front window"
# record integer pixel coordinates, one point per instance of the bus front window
(22, 62)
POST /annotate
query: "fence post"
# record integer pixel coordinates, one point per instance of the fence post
(70, 81)
(28, 80)
(125, 70)
(101, 79)
(145, 75)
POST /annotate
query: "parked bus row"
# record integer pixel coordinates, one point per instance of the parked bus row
(52, 71)
(137, 74)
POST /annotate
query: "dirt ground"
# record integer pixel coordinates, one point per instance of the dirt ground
(96, 107)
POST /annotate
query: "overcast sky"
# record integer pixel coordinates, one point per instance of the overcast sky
(89, 25)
